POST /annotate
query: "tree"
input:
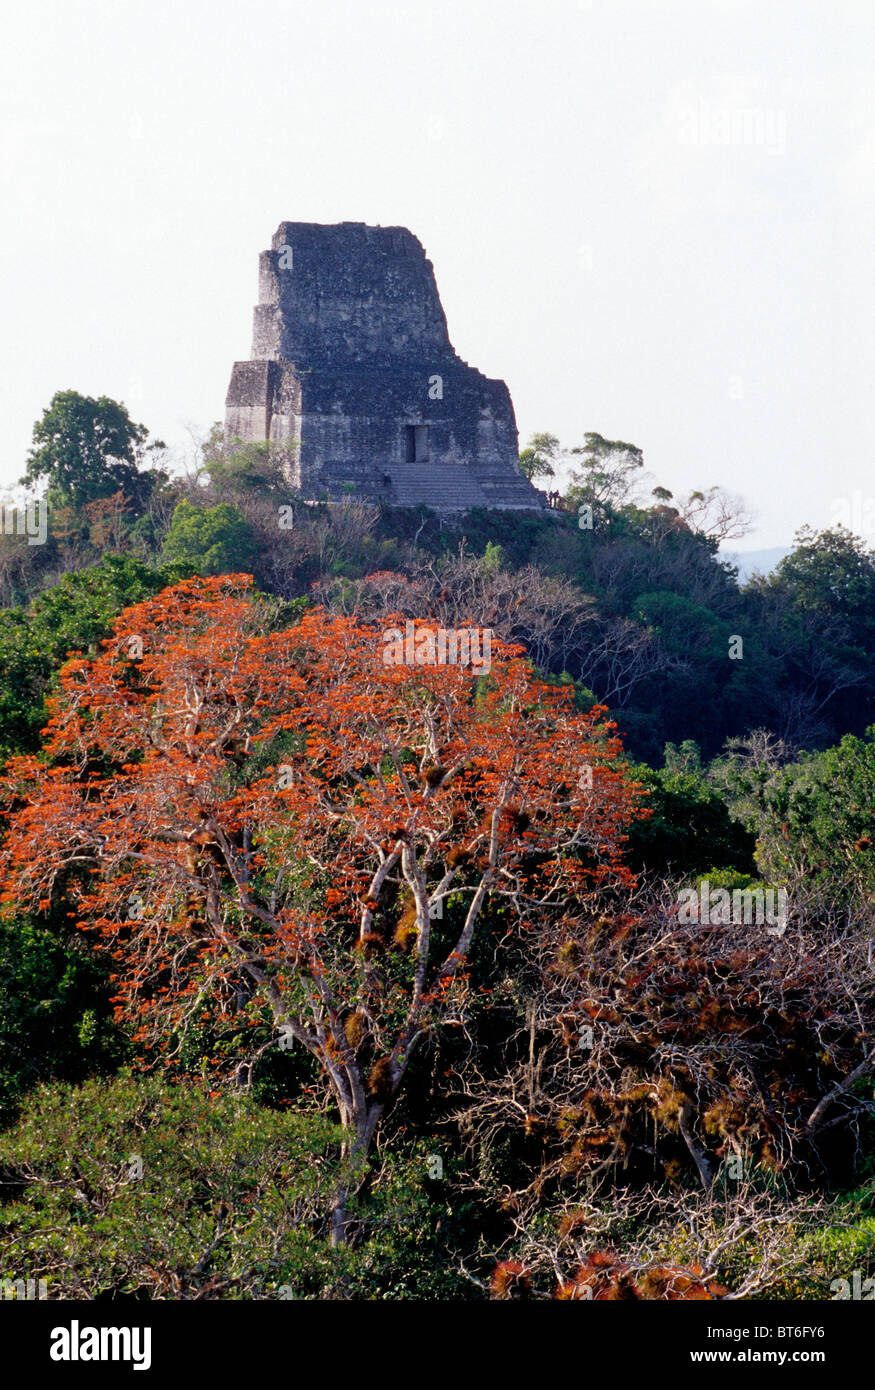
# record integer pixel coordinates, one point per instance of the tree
(88, 449)
(539, 456)
(691, 829)
(609, 471)
(830, 573)
(817, 612)
(286, 817)
(213, 540)
(715, 513)
(549, 616)
(237, 471)
(813, 818)
(653, 1049)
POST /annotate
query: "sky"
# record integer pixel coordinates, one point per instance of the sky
(652, 218)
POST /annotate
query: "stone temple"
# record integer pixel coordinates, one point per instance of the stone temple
(352, 369)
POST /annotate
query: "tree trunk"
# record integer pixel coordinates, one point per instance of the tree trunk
(354, 1153)
(338, 1221)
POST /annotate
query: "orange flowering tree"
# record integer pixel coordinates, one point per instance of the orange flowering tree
(295, 816)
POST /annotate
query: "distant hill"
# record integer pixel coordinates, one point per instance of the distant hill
(750, 561)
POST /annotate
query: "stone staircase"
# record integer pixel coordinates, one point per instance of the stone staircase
(450, 487)
(445, 487)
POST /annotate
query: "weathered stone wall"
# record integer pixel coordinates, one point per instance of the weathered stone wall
(350, 348)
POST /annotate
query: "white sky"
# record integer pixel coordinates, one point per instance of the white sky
(595, 243)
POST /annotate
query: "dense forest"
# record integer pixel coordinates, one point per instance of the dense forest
(323, 977)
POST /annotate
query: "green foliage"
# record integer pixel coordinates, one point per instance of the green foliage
(74, 615)
(232, 1201)
(814, 1254)
(54, 1011)
(245, 470)
(87, 449)
(583, 697)
(537, 459)
(819, 609)
(608, 471)
(799, 1259)
(831, 573)
(25, 676)
(814, 818)
(683, 626)
(651, 572)
(691, 829)
(213, 540)
(493, 559)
